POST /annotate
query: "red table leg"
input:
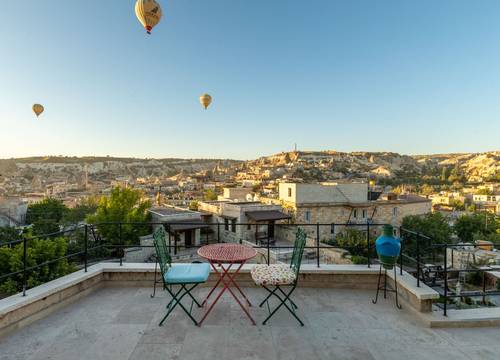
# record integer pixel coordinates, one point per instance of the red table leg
(226, 286)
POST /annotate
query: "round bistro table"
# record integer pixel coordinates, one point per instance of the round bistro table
(222, 257)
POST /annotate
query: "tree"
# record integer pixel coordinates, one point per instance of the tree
(210, 195)
(457, 205)
(352, 240)
(444, 174)
(426, 189)
(8, 234)
(484, 191)
(193, 205)
(123, 205)
(432, 225)
(483, 224)
(39, 251)
(46, 216)
(84, 208)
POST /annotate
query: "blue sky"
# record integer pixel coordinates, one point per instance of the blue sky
(403, 76)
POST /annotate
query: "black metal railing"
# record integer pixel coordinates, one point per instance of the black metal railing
(91, 243)
(449, 271)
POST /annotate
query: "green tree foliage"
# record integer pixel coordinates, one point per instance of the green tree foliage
(210, 195)
(483, 224)
(445, 173)
(9, 233)
(433, 225)
(457, 205)
(123, 205)
(427, 189)
(484, 191)
(84, 208)
(39, 251)
(46, 216)
(193, 205)
(352, 240)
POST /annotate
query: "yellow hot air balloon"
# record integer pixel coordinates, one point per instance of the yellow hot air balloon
(38, 109)
(149, 13)
(205, 100)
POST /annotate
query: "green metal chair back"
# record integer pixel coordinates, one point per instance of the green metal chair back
(298, 251)
(162, 252)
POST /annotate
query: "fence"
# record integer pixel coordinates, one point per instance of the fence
(90, 243)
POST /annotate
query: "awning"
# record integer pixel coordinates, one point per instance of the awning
(267, 215)
(182, 225)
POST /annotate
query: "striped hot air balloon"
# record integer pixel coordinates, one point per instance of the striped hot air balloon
(149, 13)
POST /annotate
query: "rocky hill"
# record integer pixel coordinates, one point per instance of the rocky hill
(473, 167)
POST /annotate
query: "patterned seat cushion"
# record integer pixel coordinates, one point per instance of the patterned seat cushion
(275, 274)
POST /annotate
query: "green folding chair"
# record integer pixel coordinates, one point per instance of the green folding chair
(186, 276)
(278, 276)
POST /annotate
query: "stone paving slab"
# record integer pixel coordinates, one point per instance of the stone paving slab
(122, 323)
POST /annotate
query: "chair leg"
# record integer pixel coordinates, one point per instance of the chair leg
(398, 305)
(176, 300)
(291, 301)
(154, 282)
(378, 285)
(282, 303)
(271, 293)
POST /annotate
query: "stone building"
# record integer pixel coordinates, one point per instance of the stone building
(238, 221)
(12, 210)
(346, 203)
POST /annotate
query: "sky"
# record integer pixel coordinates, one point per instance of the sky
(414, 77)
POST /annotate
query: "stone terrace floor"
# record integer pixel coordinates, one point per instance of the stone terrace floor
(122, 323)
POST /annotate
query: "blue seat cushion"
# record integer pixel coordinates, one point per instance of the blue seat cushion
(187, 273)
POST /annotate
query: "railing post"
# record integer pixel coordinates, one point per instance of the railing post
(218, 232)
(268, 248)
(120, 242)
(401, 253)
(169, 240)
(445, 279)
(484, 287)
(25, 256)
(368, 245)
(418, 259)
(85, 242)
(317, 244)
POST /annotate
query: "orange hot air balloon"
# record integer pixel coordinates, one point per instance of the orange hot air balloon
(205, 100)
(38, 109)
(149, 13)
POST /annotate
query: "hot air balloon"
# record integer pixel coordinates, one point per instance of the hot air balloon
(148, 12)
(205, 100)
(37, 109)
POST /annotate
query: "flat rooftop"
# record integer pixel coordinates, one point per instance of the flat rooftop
(166, 211)
(117, 322)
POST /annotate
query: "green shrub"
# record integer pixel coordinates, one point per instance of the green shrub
(39, 252)
(359, 260)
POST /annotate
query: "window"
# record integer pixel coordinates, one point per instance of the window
(307, 216)
(365, 214)
(395, 211)
(233, 225)
(226, 224)
(289, 192)
(355, 213)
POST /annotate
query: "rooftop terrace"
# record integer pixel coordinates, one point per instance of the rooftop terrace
(122, 323)
(107, 313)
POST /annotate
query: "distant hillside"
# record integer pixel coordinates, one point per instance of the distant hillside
(473, 167)
(309, 165)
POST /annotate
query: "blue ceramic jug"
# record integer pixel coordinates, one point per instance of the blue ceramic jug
(388, 247)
